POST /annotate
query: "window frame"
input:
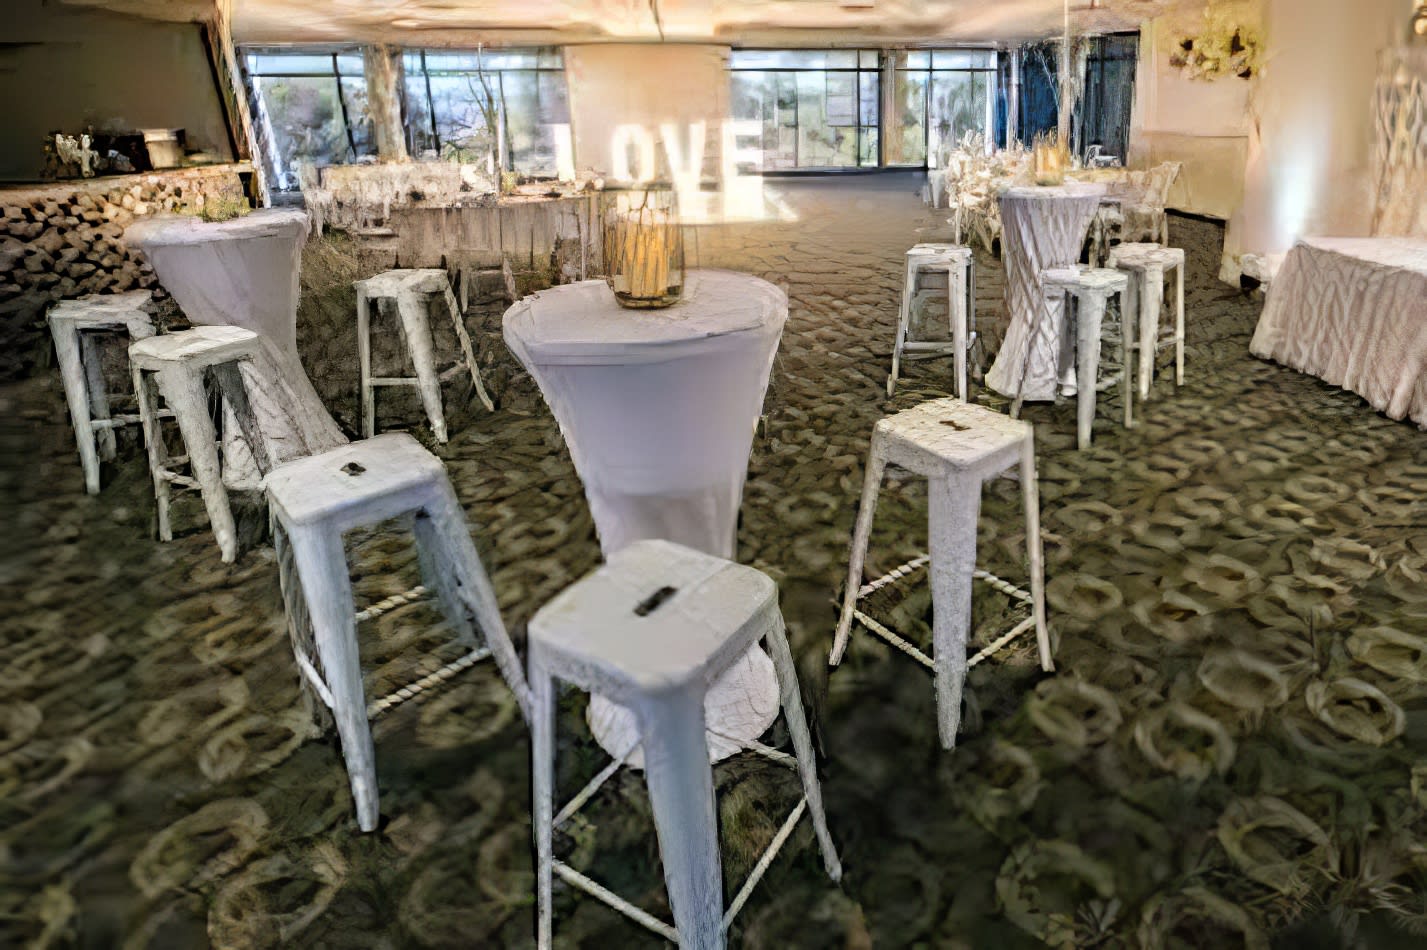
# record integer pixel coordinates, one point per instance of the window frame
(857, 70)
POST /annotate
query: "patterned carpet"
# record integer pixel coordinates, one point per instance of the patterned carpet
(1229, 754)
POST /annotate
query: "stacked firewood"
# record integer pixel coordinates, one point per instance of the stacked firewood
(63, 241)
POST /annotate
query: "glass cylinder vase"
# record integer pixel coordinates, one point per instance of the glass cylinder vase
(643, 248)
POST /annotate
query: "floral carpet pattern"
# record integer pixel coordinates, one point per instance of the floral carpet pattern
(1230, 752)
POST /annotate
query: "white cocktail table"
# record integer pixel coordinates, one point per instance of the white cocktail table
(244, 272)
(658, 408)
(1041, 228)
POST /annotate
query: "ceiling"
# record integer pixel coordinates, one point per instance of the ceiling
(745, 22)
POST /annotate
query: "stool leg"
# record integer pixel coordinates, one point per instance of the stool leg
(451, 564)
(364, 359)
(971, 334)
(954, 506)
(904, 317)
(802, 744)
(71, 372)
(1129, 317)
(1030, 493)
(1151, 297)
(235, 394)
(956, 304)
(1092, 315)
(184, 393)
(542, 783)
(871, 485)
(680, 779)
(1179, 327)
(154, 446)
(423, 358)
(467, 352)
(92, 359)
(327, 590)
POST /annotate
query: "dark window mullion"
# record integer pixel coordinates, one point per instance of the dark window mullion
(430, 105)
(342, 103)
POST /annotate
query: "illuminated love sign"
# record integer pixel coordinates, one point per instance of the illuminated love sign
(634, 160)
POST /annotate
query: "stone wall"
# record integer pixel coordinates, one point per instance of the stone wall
(65, 239)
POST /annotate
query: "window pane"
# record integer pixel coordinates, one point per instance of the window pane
(906, 128)
(291, 64)
(306, 122)
(963, 59)
(351, 64)
(913, 59)
(960, 103)
(793, 59)
(464, 117)
(868, 59)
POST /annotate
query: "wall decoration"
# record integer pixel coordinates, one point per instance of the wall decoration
(1225, 47)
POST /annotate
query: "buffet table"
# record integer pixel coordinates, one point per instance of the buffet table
(1353, 312)
(658, 408)
(1042, 228)
(244, 272)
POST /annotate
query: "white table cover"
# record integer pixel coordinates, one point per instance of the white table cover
(658, 408)
(244, 272)
(1042, 228)
(1353, 312)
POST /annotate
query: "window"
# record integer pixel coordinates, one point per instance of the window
(819, 108)
(938, 96)
(469, 105)
(313, 106)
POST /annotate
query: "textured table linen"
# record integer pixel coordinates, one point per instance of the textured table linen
(1353, 312)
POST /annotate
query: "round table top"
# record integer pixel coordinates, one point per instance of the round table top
(1069, 190)
(168, 229)
(581, 323)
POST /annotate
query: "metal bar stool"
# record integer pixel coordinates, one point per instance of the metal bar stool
(958, 264)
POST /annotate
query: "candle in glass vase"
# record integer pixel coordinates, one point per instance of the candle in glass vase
(644, 255)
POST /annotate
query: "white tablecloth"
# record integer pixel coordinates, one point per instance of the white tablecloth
(1353, 312)
(1041, 228)
(658, 408)
(244, 272)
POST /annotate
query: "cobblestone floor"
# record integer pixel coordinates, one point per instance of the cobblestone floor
(1229, 754)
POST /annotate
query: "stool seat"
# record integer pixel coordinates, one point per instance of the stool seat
(1149, 263)
(1092, 288)
(408, 287)
(392, 283)
(1085, 280)
(355, 483)
(653, 628)
(923, 260)
(693, 616)
(931, 253)
(74, 326)
(175, 364)
(314, 501)
(947, 436)
(126, 309)
(956, 447)
(199, 347)
(1140, 255)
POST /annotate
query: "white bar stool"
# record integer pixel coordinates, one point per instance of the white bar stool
(412, 291)
(652, 629)
(314, 501)
(956, 447)
(1092, 289)
(1147, 264)
(176, 363)
(960, 269)
(75, 326)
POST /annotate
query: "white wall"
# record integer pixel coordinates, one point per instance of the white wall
(646, 85)
(1310, 150)
(1201, 123)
